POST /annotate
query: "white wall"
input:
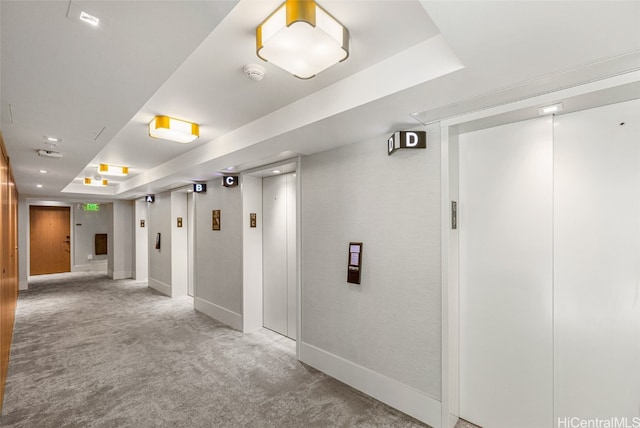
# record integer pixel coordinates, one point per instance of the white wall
(159, 221)
(142, 241)
(23, 243)
(382, 336)
(179, 245)
(86, 224)
(120, 242)
(218, 254)
(252, 254)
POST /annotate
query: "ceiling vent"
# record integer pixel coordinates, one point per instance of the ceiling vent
(49, 154)
(254, 71)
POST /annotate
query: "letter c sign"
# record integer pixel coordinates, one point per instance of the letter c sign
(230, 181)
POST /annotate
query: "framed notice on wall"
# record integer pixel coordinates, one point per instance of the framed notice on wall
(215, 220)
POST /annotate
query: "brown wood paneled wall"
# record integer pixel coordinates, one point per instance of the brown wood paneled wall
(8, 262)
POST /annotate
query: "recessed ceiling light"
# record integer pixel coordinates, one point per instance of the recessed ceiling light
(43, 171)
(551, 109)
(230, 168)
(275, 171)
(89, 19)
(38, 185)
(52, 139)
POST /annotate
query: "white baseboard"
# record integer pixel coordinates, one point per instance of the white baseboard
(160, 286)
(219, 313)
(23, 285)
(90, 267)
(121, 274)
(400, 396)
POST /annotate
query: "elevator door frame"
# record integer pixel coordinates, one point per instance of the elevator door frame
(450, 129)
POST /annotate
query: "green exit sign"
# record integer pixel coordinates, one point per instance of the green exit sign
(92, 207)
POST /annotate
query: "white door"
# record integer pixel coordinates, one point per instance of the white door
(506, 262)
(279, 254)
(597, 264)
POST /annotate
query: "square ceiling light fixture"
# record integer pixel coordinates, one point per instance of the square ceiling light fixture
(168, 128)
(116, 171)
(302, 38)
(97, 182)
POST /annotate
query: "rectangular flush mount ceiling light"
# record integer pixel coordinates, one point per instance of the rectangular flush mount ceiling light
(116, 171)
(551, 109)
(302, 38)
(87, 17)
(95, 182)
(168, 128)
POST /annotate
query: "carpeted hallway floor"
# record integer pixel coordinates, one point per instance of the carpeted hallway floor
(91, 352)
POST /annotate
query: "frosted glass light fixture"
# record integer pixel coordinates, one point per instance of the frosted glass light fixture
(97, 182)
(302, 38)
(113, 170)
(168, 128)
(551, 109)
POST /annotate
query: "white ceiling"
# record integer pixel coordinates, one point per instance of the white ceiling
(97, 90)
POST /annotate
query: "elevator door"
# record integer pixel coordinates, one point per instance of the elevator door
(506, 293)
(279, 254)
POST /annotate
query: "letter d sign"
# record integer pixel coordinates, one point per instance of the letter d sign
(412, 139)
(407, 140)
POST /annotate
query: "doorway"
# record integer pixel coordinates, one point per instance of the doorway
(279, 280)
(49, 239)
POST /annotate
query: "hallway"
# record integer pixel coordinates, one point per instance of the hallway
(92, 352)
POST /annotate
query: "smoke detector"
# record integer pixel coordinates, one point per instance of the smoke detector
(49, 154)
(254, 71)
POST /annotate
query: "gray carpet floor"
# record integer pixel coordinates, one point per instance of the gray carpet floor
(91, 352)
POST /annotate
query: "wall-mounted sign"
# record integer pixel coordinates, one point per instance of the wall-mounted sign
(407, 140)
(253, 220)
(230, 180)
(91, 207)
(215, 220)
(199, 188)
(355, 262)
(150, 198)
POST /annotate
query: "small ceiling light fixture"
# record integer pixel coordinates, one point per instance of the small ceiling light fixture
(52, 139)
(551, 109)
(302, 38)
(168, 128)
(39, 186)
(275, 171)
(96, 181)
(113, 170)
(89, 19)
(43, 171)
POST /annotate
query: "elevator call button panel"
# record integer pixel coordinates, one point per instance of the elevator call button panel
(355, 262)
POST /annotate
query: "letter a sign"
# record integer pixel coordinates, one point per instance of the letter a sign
(407, 140)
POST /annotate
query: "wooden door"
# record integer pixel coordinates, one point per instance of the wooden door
(50, 241)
